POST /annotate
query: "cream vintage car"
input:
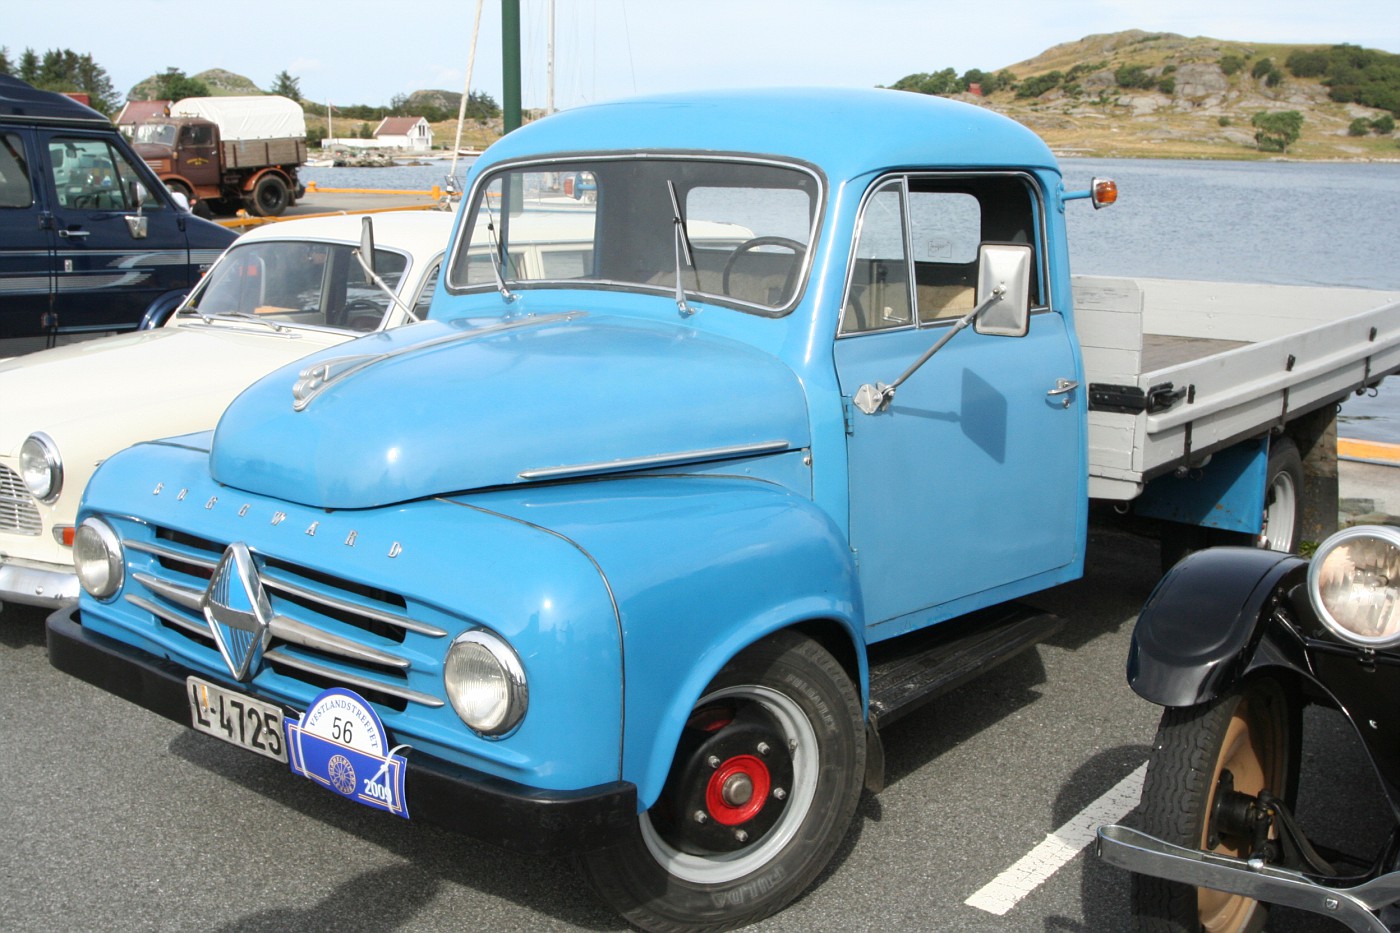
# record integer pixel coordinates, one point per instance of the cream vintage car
(277, 294)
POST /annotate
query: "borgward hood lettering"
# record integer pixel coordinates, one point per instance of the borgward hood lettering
(434, 409)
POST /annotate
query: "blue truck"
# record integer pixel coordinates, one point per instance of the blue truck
(690, 485)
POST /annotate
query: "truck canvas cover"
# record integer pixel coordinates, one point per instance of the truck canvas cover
(239, 118)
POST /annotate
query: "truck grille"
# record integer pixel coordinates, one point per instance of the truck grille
(326, 631)
(18, 511)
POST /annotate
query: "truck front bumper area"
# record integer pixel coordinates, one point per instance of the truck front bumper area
(37, 584)
(500, 812)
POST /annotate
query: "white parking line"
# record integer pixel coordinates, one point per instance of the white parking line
(1035, 867)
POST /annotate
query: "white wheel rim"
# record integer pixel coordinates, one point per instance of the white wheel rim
(806, 766)
(1281, 514)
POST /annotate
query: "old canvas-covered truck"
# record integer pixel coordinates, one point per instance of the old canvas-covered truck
(229, 152)
(630, 553)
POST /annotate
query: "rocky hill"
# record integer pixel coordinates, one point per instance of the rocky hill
(1200, 98)
(221, 83)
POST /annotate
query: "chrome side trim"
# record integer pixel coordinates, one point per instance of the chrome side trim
(165, 615)
(183, 596)
(655, 460)
(308, 636)
(180, 554)
(367, 683)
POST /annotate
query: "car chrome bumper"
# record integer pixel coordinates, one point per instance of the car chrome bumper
(37, 586)
(1355, 905)
(494, 810)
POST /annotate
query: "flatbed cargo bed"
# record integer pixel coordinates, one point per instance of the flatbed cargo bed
(1227, 361)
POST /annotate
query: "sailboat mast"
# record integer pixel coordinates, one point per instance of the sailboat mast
(549, 101)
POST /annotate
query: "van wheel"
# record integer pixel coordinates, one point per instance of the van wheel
(269, 197)
(1239, 745)
(763, 787)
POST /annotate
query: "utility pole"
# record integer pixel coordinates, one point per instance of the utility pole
(510, 64)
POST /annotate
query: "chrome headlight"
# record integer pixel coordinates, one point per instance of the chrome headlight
(1354, 585)
(41, 467)
(97, 557)
(485, 682)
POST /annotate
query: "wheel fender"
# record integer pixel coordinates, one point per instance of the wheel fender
(753, 559)
(1199, 629)
(252, 180)
(159, 311)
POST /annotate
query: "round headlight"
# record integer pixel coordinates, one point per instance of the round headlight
(41, 467)
(97, 557)
(1354, 585)
(485, 682)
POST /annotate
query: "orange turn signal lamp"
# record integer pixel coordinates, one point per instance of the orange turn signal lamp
(63, 534)
(1102, 192)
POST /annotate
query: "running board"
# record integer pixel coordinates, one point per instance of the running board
(909, 671)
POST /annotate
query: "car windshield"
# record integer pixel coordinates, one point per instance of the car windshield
(299, 282)
(161, 134)
(736, 231)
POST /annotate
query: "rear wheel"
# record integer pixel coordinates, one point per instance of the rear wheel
(269, 197)
(763, 786)
(1206, 761)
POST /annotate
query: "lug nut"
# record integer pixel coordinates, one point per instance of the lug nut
(763, 748)
(713, 761)
(700, 816)
(741, 836)
(779, 794)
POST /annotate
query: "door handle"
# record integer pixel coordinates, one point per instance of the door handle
(1062, 388)
(74, 234)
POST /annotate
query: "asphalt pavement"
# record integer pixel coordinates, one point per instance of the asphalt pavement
(116, 819)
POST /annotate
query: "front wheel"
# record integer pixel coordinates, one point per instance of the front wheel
(763, 787)
(1206, 761)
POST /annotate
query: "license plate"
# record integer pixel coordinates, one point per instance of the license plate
(237, 718)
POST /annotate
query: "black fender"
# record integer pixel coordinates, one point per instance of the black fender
(1199, 630)
(160, 310)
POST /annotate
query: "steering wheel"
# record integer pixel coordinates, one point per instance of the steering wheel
(363, 315)
(798, 251)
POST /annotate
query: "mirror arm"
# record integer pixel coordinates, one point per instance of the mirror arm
(872, 398)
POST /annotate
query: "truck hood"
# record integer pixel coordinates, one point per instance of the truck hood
(103, 395)
(446, 407)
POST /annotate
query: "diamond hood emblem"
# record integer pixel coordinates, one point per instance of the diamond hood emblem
(238, 611)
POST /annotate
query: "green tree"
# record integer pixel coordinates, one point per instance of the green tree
(5, 66)
(1359, 127)
(1039, 84)
(1230, 64)
(482, 106)
(1134, 77)
(1307, 63)
(284, 85)
(174, 84)
(1262, 68)
(1383, 126)
(1276, 130)
(29, 66)
(66, 71)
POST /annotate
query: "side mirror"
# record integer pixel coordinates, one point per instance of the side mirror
(1009, 267)
(138, 223)
(367, 243)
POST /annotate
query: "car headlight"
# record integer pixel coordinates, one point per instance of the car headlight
(485, 682)
(41, 467)
(1354, 585)
(97, 557)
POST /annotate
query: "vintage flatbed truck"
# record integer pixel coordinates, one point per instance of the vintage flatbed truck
(630, 553)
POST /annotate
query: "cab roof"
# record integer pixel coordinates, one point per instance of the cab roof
(846, 132)
(23, 103)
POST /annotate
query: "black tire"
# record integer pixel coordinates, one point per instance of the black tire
(1251, 732)
(782, 720)
(269, 197)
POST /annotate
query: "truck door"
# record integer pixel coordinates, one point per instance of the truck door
(197, 155)
(968, 489)
(105, 276)
(26, 258)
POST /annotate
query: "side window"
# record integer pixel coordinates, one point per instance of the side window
(919, 240)
(89, 174)
(15, 187)
(425, 295)
(878, 297)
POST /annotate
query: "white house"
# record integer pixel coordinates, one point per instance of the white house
(412, 133)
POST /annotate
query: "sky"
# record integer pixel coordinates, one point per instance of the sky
(359, 52)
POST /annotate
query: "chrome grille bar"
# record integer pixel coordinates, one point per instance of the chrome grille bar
(279, 656)
(18, 511)
(274, 580)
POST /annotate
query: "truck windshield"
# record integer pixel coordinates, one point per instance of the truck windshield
(298, 282)
(160, 134)
(737, 231)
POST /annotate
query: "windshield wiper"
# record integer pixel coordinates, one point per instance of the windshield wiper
(683, 249)
(242, 316)
(498, 259)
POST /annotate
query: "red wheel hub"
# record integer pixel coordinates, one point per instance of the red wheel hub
(737, 790)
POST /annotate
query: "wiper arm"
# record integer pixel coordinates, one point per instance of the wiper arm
(498, 259)
(243, 316)
(683, 249)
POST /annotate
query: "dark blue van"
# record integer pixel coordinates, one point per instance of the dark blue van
(90, 240)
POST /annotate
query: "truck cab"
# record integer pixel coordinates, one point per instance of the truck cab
(90, 241)
(183, 152)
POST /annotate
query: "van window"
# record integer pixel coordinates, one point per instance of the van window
(89, 174)
(15, 188)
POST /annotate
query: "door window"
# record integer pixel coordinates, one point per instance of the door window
(90, 175)
(15, 187)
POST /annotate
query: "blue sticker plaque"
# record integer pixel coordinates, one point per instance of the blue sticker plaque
(341, 744)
